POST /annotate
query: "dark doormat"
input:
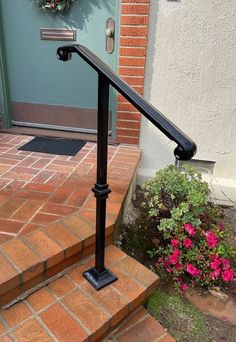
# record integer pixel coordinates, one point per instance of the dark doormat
(67, 147)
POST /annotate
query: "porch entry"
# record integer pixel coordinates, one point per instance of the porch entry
(47, 93)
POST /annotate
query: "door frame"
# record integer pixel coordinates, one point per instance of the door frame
(4, 81)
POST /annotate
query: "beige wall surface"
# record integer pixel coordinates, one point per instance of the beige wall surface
(191, 78)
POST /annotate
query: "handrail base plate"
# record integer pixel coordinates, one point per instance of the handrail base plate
(99, 280)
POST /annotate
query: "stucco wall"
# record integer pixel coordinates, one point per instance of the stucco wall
(191, 78)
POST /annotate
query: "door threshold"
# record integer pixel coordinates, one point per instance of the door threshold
(54, 133)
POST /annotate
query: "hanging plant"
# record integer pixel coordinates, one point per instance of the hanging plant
(55, 6)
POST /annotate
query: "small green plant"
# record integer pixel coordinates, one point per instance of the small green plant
(194, 247)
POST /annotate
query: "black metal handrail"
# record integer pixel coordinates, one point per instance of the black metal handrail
(99, 276)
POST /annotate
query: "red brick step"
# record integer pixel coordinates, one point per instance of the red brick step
(68, 309)
(30, 260)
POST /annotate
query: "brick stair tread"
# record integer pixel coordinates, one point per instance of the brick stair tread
(68, 308)
(32, 259)
(139, 327)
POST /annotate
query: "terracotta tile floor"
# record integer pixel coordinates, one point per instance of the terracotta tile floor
(37, 189)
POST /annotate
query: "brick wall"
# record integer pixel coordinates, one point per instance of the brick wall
(132, 58)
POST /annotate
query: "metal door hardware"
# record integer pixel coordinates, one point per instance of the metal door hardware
(57, 34)
(110, 35)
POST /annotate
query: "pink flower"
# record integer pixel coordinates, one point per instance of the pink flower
(160, 260)
(178, 266)
(174, 257)
(175, 243)
(212, 239)
(187, 243)
(225, 263)
(228, 275)
(167, 265)
(193, 270)
(180, 280)
(189, 229)
(183, 287)
(215, 274)
(215, 264)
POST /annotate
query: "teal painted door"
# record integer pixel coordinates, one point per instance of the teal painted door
(44, 91)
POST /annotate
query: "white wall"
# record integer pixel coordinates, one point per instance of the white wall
(191, 78)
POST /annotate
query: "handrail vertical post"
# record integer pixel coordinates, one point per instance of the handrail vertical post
(99, 276)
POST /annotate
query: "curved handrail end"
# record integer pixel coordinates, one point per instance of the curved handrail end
(185, 153)
(64, 53)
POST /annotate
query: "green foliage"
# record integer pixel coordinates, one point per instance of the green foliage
(182, 192)
(194, 245)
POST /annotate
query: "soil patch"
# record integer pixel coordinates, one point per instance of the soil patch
(185, 322)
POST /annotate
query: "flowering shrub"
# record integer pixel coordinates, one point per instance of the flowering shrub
(54, 5)
(193, 237)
